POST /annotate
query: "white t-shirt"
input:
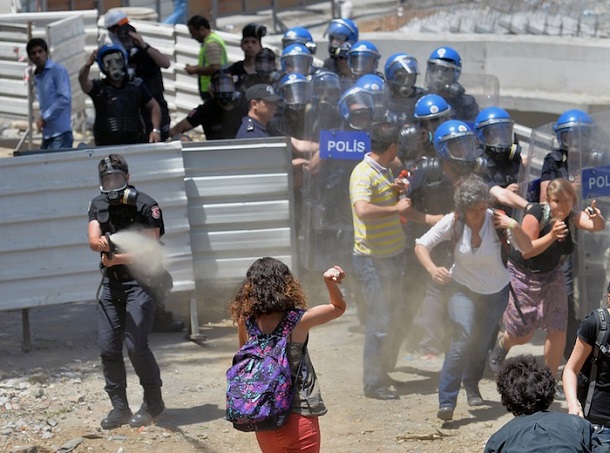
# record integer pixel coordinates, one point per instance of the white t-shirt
(481, 270)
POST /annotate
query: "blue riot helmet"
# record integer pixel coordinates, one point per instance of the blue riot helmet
(376, 86)
(296, 58)
(443, 69)
(112, 61)
(363, 58)
(340, 31)
(431, 110)
(356, 107)
(401, 73)
(454, 140)
(574, 129)
(325, 89)
(494, 129)
(296, 91)
(299, 35)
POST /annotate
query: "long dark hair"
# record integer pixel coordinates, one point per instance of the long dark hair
(269, 287)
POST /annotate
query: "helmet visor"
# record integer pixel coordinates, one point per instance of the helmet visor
(297, 63)
(437, 74)
(402, 77)
(112, 181)
(296, 93)
(327, 89)
(462, 148)
(361, 63)
(430, 123)
(360, 106)
(264, 65)
(223, 85)
(499, 135)
(576, 138)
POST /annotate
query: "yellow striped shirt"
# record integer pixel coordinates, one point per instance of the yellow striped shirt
(383, 237)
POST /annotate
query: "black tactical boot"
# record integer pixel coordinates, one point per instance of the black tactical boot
(151, 408)
(164, 320)
(120, 413)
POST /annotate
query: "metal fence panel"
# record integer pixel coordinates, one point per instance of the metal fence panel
(44, 253)
(240, 207)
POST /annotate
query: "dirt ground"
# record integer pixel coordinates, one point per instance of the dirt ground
(54, 394)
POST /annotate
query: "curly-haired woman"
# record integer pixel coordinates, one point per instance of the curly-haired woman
(268, 293)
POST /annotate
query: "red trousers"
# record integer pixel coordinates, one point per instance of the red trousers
(299, 434)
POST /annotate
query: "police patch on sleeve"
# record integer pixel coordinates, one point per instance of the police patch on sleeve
(156, 212)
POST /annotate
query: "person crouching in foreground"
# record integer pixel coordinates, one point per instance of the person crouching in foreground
(527, 389)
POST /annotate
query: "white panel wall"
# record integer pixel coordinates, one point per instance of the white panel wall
(44, 198)
(240, 207)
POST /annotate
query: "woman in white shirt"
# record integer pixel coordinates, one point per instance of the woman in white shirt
(478, 283)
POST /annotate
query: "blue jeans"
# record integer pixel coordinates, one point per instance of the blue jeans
(380, 280)
(125, 315)
(604, 435)
(62, 141)
(179, 14)
(474, 318)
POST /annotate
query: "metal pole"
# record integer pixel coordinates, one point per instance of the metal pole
(214, 13)
(25, 326)
(30, 98)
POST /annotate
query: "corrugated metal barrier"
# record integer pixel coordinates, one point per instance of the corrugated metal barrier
(225, 203)
(240, 205)
(44, 199)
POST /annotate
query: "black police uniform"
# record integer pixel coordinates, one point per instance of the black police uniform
(118, 118)
(126, 307)
(251, 128)
(150, 73)
(433, 194)
(218, 123)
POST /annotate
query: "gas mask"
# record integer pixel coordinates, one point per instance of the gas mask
(511, 153)
(113, 183)
(114, 66)
(223, 89)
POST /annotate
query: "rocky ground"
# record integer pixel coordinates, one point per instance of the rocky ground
(52, 399)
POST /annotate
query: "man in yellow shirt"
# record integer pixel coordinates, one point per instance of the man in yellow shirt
(212, 55)
(379, 257)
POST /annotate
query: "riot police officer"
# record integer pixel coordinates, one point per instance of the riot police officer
(432, 193)
(340, 32)
(442, 75)
(401, 73)
(119, 101)
(125, 307)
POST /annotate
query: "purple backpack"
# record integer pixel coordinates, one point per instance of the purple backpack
(259, 384)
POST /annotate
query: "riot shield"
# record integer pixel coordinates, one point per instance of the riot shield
(587, 165)
(328, 237)
(542, 141)
(484, 87)
(589, 168)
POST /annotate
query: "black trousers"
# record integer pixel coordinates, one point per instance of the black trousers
(125, 317)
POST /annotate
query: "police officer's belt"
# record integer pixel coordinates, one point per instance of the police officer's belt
(119, 275)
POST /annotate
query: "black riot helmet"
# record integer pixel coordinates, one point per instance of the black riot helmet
(114, 180)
